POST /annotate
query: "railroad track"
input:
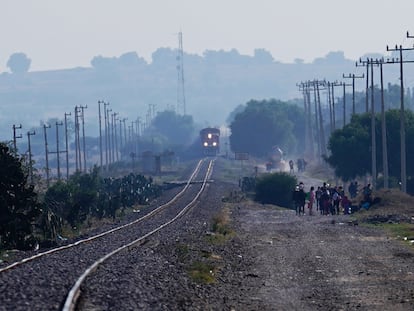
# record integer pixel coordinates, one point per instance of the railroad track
(52, 280)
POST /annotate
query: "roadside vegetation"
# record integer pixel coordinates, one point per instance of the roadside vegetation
(394, 213)
(28, 218)
(350, 153)
(275, 189)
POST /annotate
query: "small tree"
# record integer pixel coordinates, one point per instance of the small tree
(19, 206)
(19, 63)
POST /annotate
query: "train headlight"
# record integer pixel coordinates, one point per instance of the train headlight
(214, 144)
(209, 135)
(205, 144)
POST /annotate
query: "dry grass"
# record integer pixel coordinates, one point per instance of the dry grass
(394, 214)
(392, 202)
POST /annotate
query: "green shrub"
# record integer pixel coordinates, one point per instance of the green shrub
(275, 189)
(202, 272)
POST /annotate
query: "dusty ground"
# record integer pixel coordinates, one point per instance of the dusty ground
(322, 262)
(273, 260)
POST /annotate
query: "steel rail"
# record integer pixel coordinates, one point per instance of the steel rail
(150, 214)
(73, 295)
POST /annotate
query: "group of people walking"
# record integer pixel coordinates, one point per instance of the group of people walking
(325, 199)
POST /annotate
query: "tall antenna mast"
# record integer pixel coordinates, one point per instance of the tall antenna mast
(180, 76)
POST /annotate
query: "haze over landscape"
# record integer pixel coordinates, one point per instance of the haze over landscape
(234, 51)
(68, 34)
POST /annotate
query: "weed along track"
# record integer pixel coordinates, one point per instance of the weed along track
(53, 280)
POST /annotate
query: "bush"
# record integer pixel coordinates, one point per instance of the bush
(19, 205)
(275, 189)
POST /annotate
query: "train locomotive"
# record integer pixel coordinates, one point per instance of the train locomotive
(210, 141)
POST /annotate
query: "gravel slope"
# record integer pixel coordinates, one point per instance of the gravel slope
(276, 261)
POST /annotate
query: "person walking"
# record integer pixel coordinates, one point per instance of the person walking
(311, 200)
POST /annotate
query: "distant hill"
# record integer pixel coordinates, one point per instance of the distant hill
(215, 83)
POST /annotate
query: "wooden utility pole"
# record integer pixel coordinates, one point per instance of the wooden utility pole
(30, 155)
(318, 132)
(353, 77)
(109, 135)
(306, 101)
(57, 148)
(16, 136)
(323, 143)
(83, 135)
(333, 84)
(309, 116)
(46, 153)
(362, 63)
(330, 108)
(383, 129)
(77, 140)
(373, 132)
(67, 144)
(403, 160)
(106, 136)
(369, 63)
(344, 85)
(100, 133)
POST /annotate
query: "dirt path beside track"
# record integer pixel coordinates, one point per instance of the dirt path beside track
(323, 262)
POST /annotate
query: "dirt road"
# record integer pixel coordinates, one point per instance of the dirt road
(323, 262)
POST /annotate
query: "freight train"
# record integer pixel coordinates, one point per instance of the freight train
(210, 141)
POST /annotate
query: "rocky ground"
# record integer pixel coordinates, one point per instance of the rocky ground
(232, 254)
(269, 259)
(279, 261)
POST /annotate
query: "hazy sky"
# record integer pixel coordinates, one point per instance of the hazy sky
(58, 34)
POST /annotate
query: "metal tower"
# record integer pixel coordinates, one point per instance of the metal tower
(180, 76)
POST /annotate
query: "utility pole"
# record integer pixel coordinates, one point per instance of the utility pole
(16, 136)
(308, 138)
(373, 132)
(400, 49)
(344, 100)
(57, 148)
(369, 63)
(77, 140)
(46, 153)
(109, 135)
(115, 137)
(323, 143)
(113, 127)
(100, 133)
(353, 77)
(83, 135)
(383, 129)
(330, 107)
(125, 135)
(30, 155)
(317, 84)
(333, 85)
(120, 138)
(363, 64)
(309, 116)
(67, 145)
(106, 136)
(318, 132)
